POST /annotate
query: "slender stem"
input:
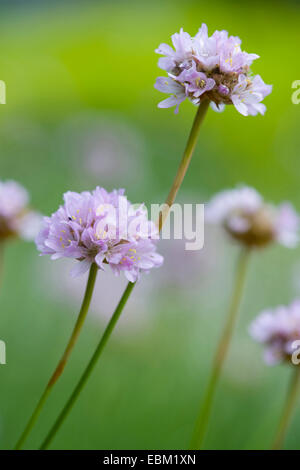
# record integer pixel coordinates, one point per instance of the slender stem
(1, 261)
(187, 155)
(108, 331)
(222, 349)
(289, 406)
(185, 161)
(63, 361)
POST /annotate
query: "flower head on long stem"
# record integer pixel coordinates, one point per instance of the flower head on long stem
(278, 330)
(184, 164)
(253, 224)
(97, 229)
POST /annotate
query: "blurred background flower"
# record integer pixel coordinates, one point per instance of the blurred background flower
(247, 218)
(277, 329)
(106, 147)
(16, 218)
(82, 111)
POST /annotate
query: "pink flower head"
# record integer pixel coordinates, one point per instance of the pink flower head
(16, 219)
(250, 220)
(210, 67)
(277, 329)
(102, 228)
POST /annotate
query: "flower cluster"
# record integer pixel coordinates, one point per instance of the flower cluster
(277, 329)
(249, 220)
(16, 219)
(102, 228)
(210, 67)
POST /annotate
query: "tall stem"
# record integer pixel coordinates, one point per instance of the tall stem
(221, 352)
(63, 361)
(288, 409)
(185, 161)
(1, 262)
(108, 331)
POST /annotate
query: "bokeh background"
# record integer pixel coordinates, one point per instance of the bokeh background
(82, 111)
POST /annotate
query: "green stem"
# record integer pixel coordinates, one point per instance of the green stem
(288, 409)
(185, 161)
(63, 361)
(220, 355)
(187, 155)
(1, 261)
(109, 329)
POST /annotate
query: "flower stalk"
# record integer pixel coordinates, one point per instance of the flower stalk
(288, 409)
(106, 335)
(184, 164)
(64, 359)
(1, 262)
(221, 352)
(185, 161)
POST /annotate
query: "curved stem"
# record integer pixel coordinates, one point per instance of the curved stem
(222, 349)
(288, 409)
(63, 361)
(109, 329)
(185, 161)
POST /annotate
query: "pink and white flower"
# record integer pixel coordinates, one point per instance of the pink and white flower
(210, 67)
(103, 228)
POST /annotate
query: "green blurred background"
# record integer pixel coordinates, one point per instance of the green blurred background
(81, 110)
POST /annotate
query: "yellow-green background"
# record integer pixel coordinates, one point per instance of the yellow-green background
(72, 67)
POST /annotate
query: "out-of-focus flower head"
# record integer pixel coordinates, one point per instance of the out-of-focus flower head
(16, 218)
(277, 329)
(250, 220)
(210, 67)
(112, 147)
(103, 228)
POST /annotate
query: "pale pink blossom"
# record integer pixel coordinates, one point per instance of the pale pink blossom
(244, 214)
(277, 329)
(210, 67)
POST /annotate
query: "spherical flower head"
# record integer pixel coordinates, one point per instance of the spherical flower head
(103, 228)
(210, 67)
(16, 219)
(248, 219)
(277, 329)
